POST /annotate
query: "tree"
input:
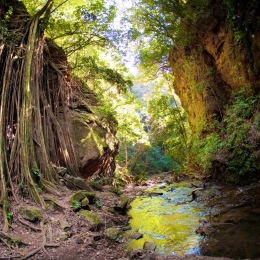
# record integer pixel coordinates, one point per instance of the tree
(169, 125)
(21, 124)
(36, 84)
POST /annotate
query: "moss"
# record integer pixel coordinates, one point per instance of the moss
(115, 190)
(91, 217)
(81, 195)
(114, 233)
(30, 213)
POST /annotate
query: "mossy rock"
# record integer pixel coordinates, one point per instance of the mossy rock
(81, 195)
(123, 201)
(78, 196)
(114, 233)
(91, 197)
(91, 217)
(76, 183)
(30, 213)
(115, 190)
(53, 205)
(95, 185)
(108, 209)
(85, 202)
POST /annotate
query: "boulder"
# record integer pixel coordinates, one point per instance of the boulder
(80, 195)
(114, 233)
(91, 217)
(93, 137)
(30, 213)
(136, 235)
(149, 246)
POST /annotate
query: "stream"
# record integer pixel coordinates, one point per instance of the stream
(221, 221)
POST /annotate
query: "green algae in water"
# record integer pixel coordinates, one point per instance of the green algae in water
(169, 221)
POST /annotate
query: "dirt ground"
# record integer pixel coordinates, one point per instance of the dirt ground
(63, 234)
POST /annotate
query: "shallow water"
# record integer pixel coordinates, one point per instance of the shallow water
(228, 217)
(168, 220)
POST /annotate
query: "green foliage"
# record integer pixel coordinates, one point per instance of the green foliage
(243, 159)
(4, 32)
(159, 25)
(203, 151)
(257, 121)
(98, 72)
(235, 136)
(168, 127)
(158, 161)
(241, 16)
(9, 216)
(141, 176)
(76, 204)
(197, 75)
(39, 189)
(36, 172)
(98, 204)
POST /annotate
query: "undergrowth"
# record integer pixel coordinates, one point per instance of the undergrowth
(239, 135)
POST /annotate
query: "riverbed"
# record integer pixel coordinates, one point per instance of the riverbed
(184, 218)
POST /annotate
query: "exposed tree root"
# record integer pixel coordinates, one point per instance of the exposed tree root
(10, 238)
(28, 225)
(42, 246)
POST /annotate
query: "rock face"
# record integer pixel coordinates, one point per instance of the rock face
(221, 57)
(71, 133)
(216, 61)
(93, 144)
(93, 138)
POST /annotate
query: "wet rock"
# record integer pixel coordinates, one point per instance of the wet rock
(30, 213)
(151, 194)
(136, 235)
(149, 246)
(126, 228)
(91, 217)
(114, 233)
